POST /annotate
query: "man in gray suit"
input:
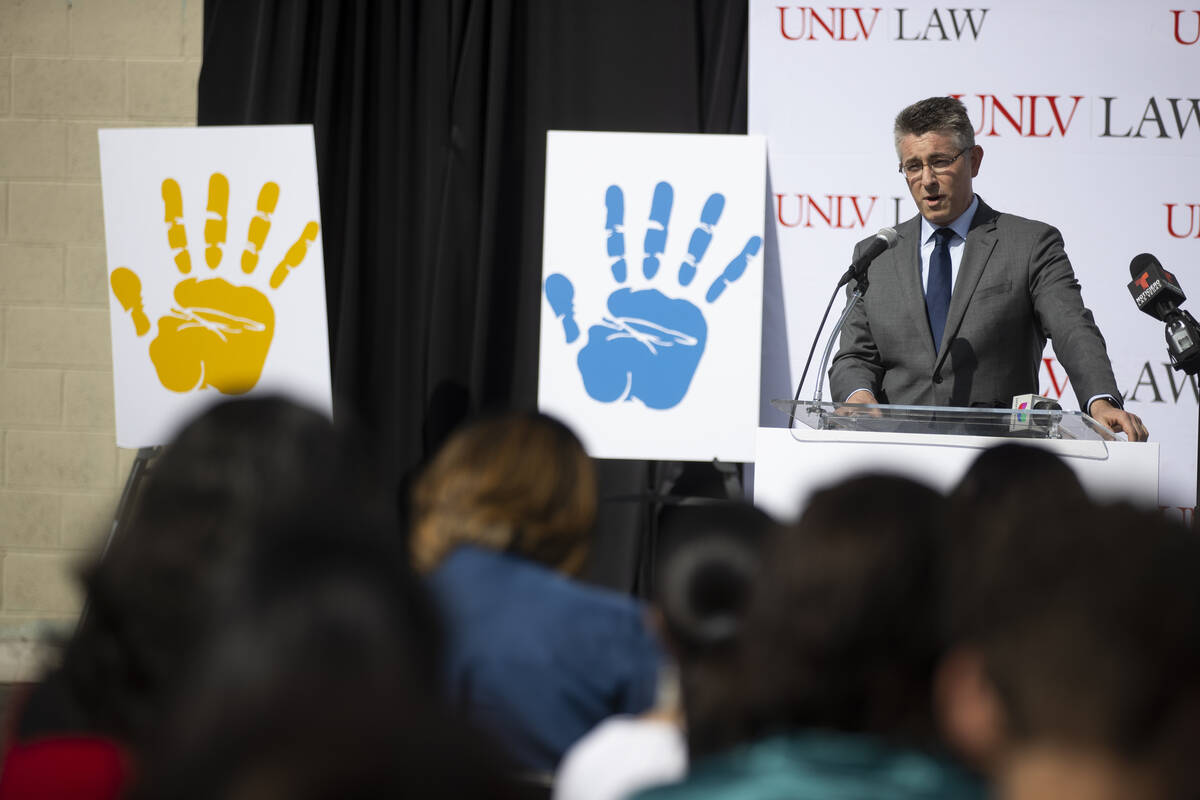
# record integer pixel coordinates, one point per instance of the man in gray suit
(958, 312)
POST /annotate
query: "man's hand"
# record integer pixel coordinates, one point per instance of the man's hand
(862, 396)
(1118, 420)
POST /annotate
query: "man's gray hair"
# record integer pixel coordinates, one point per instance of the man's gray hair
(936, 114)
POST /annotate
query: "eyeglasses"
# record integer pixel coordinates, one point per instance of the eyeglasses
(939, 164)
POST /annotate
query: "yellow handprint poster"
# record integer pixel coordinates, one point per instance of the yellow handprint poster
(215, 271)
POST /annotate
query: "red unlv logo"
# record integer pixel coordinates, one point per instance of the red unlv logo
(802, 23)
(1032, 116)
(1188, 213)
(1187, 23)
(827, 211)
(1056, 389)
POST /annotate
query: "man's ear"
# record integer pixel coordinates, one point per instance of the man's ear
(976, 160)
(968, 709)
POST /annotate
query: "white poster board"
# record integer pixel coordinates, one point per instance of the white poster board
(1088, 114)
(652, 293)
(215, 271)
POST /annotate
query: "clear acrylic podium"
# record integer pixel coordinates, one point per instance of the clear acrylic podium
(818, 444)
(945, 420)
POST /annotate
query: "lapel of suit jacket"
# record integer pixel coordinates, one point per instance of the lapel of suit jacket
(908, 277)
(981, 240)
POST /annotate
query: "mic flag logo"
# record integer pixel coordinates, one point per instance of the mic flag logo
(649, 344)
(216, 334)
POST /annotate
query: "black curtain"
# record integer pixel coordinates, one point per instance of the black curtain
(430, 119)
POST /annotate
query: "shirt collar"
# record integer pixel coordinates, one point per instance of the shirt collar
(960, 226)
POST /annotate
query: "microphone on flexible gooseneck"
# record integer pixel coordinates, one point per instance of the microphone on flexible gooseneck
(877, 244)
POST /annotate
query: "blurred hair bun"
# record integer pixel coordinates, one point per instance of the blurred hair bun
(705, 590)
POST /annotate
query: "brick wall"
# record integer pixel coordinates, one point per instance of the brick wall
(67, 68)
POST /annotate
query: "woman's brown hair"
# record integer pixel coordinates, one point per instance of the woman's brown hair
(519, 482)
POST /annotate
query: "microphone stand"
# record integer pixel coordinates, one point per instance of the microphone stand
(1183, 337)
(860, 288)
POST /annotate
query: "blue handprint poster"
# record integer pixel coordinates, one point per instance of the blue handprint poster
(652, 292)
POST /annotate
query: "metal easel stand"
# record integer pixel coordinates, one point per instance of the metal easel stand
(662, 494)
(137, 472)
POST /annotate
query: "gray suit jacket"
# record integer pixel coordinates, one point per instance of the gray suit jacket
(1015, 288)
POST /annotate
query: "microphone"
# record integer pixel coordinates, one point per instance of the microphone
(1034, 402)
(1025, 422)
(884, 240)
(1155, 290)
(1158, 294)
(874, 246)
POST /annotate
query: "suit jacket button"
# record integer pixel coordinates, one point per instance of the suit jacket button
(937, 378)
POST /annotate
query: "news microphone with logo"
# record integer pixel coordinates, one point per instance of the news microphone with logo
(1029, 402)
(876, 245)
(1159, 294)
(1034, 402)
(1155, 290)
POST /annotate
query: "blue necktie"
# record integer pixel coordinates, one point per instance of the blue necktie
(937, 290)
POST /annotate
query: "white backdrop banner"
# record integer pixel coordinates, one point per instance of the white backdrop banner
(652, 293)
(1089, 115)
(216, 277)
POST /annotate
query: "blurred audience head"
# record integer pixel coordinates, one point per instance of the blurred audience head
(1004, 502)
(519, 482)
(317, 687)
(842, 633)
(1081, 654)
(1004, 499)
(709, 566)
(1010, 478)
(243, 470)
